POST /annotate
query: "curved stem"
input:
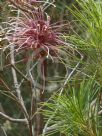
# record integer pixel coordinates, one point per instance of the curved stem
(13, 119)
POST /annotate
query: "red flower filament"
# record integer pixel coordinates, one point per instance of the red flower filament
(35, 32)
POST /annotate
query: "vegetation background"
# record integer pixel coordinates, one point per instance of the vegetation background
(82, 101)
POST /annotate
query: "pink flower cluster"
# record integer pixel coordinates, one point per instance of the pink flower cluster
(33, 30)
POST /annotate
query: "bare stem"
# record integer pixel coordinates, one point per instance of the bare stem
(13, 119)
(18, 91)
(4, 84)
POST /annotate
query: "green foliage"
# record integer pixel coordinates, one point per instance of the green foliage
(75, 113)
(89, 37)
(89, 17)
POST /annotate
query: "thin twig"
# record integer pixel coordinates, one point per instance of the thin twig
(5, 85)
(20, 73)
(13, 119)
(16, 82)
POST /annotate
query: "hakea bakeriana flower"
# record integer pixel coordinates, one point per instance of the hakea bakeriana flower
(33, 30)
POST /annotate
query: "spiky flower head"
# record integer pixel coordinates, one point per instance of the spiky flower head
(33, 30)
